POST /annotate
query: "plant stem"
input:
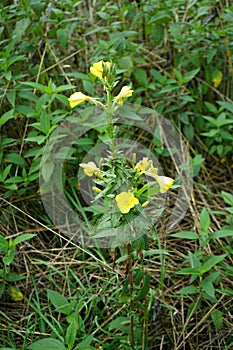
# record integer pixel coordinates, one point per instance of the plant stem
(130, 274)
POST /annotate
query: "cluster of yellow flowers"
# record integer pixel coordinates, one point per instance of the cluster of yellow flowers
(127, 200)
(98, 69)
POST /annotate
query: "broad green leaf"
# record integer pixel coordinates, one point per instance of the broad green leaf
(211, 262)
(118, 323)
(185, 235)
(157, 32)
(161, 16)
(141, 77)
(222, 233)
(6, 116)
(125, 63)
(85, 342)
(178, 75)
(228, 197)
(5, 173)
(33, 85)
(47, 171)
(10, 95)
(204, 220)
(217, 318)
(190, 75)
(48, 344)
(13, 277)
(64, 88)
(15, 158)
(20, 28)
(188, 290)
(144, 289)
(169, 88)
(24, 237)
(7, 259)
(59, 302)
(71, 333)
(226, 105)
(208, 287)
(38, 139)
(3, 244)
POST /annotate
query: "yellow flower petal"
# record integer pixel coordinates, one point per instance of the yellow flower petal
(97, 68)
(126, 91)
(164, 182)
(77, 98)
(143, 165)
(126, 201)
(15, 293)
(90, 168)
(217, 78)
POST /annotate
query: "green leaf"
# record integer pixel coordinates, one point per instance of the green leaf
(2, 288)
(47, 171)
(154, 252)
(22, 238)
(185, 234)
(84, 344)
(15, 158)
(49, 343)
(217, 318)
(10, 95)
(71, 333)
(208, 287)
(20, 28)
(59, 302)
(190, 75)
(188, 271)
(222, 233)
(5, 173)
(6, 116)
(226, 105)
(38, 139)
(141, 77)
(188, 290)
(118, 323)
(211, 262)
(3, 244)
(145, 288)
(33, 85)
(227, 197)
(157, 32)
(204, 220)
(161, 17)
(7, 259)
(14, 277)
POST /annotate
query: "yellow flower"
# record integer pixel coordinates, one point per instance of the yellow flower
(143, 165)
(78, 97)
(90, 168)
(217, 78)
(15, 293)
(152, 171)
(126, 201)
(98, 67)
(126, 91)
(164, 182)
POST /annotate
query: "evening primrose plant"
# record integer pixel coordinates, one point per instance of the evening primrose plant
(103, 175)
(122, 191)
